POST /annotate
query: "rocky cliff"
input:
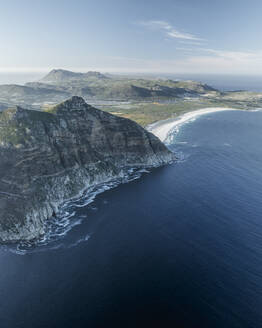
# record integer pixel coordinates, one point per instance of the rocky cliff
(48, 157)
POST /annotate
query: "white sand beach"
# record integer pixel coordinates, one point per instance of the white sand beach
(163, 128)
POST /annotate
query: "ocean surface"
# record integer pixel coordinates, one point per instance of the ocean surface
(179, 247)
(19, 78)
(224, 82)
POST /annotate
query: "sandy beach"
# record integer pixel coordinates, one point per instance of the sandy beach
(163, 128)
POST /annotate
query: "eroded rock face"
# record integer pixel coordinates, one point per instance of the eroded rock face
(48, 157)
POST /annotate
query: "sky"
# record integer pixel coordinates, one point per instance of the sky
(145, 36)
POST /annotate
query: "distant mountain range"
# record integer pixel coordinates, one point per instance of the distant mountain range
(59, 85)
(13, 94)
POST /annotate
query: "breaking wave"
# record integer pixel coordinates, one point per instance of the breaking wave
(67, 218)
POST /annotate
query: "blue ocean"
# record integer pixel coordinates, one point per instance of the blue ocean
(179, 247)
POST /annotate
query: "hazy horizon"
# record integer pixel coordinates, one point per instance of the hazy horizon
(222, 82)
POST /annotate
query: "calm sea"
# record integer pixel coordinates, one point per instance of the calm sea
(225, 82)
(19, 78)
(180, 247)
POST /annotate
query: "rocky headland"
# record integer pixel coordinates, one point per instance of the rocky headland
(50, 156)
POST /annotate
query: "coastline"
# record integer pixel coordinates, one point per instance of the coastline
(162, 129)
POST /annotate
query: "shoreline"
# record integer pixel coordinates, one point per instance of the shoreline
(162, 129)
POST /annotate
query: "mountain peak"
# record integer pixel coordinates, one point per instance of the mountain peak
(74, 102)
(62, 75)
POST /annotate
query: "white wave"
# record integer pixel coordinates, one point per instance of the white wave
(255, 110)
(67, 218)
(182, 142)
(79, 241)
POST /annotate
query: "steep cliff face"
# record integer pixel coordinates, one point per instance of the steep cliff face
(48, 157)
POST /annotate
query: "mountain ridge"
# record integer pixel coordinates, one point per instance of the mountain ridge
(59, 84)
(59, 75)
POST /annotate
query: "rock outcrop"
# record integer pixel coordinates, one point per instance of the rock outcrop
(48, 157)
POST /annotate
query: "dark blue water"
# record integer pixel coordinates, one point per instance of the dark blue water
(180, 247)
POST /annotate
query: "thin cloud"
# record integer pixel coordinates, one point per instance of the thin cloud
(192, 43)
(193, 60)
(169, 30)
(199, 61)
(234, 55)
(185, 49)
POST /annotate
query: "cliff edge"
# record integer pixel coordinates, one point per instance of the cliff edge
(48, 157)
